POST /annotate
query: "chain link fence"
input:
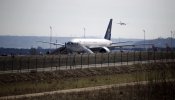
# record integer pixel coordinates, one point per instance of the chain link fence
(15, 64)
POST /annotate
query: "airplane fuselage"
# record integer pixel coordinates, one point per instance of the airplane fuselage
(93, 42)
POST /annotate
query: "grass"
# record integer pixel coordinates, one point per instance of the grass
(14, 84)
(32, 87)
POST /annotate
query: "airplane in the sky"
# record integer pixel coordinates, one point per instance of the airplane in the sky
(121, 23)
(85, 45)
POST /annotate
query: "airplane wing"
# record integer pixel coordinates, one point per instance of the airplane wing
(120, 46)
(52, 43)
(132, 45)
(121, 42)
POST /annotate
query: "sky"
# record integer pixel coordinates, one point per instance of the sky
(68, 18)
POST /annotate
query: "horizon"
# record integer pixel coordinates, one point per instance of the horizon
(87, 37)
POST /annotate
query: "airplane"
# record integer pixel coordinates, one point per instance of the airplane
(121, 23)
(91, 45)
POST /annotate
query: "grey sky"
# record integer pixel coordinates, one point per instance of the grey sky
(68, 17)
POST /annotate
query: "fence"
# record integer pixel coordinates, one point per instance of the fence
(10, 64)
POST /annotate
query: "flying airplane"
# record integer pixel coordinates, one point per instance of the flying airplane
(85, 45)
(121, 23)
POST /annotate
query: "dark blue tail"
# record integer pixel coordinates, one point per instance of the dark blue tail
(108, 31)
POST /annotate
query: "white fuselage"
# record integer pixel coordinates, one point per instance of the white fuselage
(93, 42)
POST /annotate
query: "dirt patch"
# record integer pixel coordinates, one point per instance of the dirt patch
(153, 91)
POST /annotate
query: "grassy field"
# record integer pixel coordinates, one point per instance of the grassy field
(23, 83)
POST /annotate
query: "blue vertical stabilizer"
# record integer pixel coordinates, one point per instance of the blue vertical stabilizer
(108, 31)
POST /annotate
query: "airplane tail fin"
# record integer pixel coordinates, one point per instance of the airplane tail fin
(108, 31)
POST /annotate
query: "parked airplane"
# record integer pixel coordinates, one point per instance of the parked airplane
(121, 23)
(85, 45)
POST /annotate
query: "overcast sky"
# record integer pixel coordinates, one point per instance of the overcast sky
(69, 17)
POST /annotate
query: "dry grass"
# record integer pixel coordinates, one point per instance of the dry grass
(13, 84)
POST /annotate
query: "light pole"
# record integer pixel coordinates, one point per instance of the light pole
(56, 43)
(84, 32)
(50, 38)
(171, 39)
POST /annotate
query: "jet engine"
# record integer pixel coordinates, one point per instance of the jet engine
(104, 50)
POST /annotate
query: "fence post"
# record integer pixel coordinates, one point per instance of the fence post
(70, 61)
(74, 61)
(56, 62)
(166, 55)
(161, 53)
(52, 59)
(95, 59)
(114, 58)
(127, 57)
(12, 57)
(140, 56)
(121, 56)
(154, 56)
(20, 64)
(88, 60)
(148, 56)
(66, 61)
(44, 60)
(28, 63)
(134, 56)
(108, 59)
(59, 61)
(81, 61)
(101, 59)
(3, 65)
(36, 63)
(172, 55)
